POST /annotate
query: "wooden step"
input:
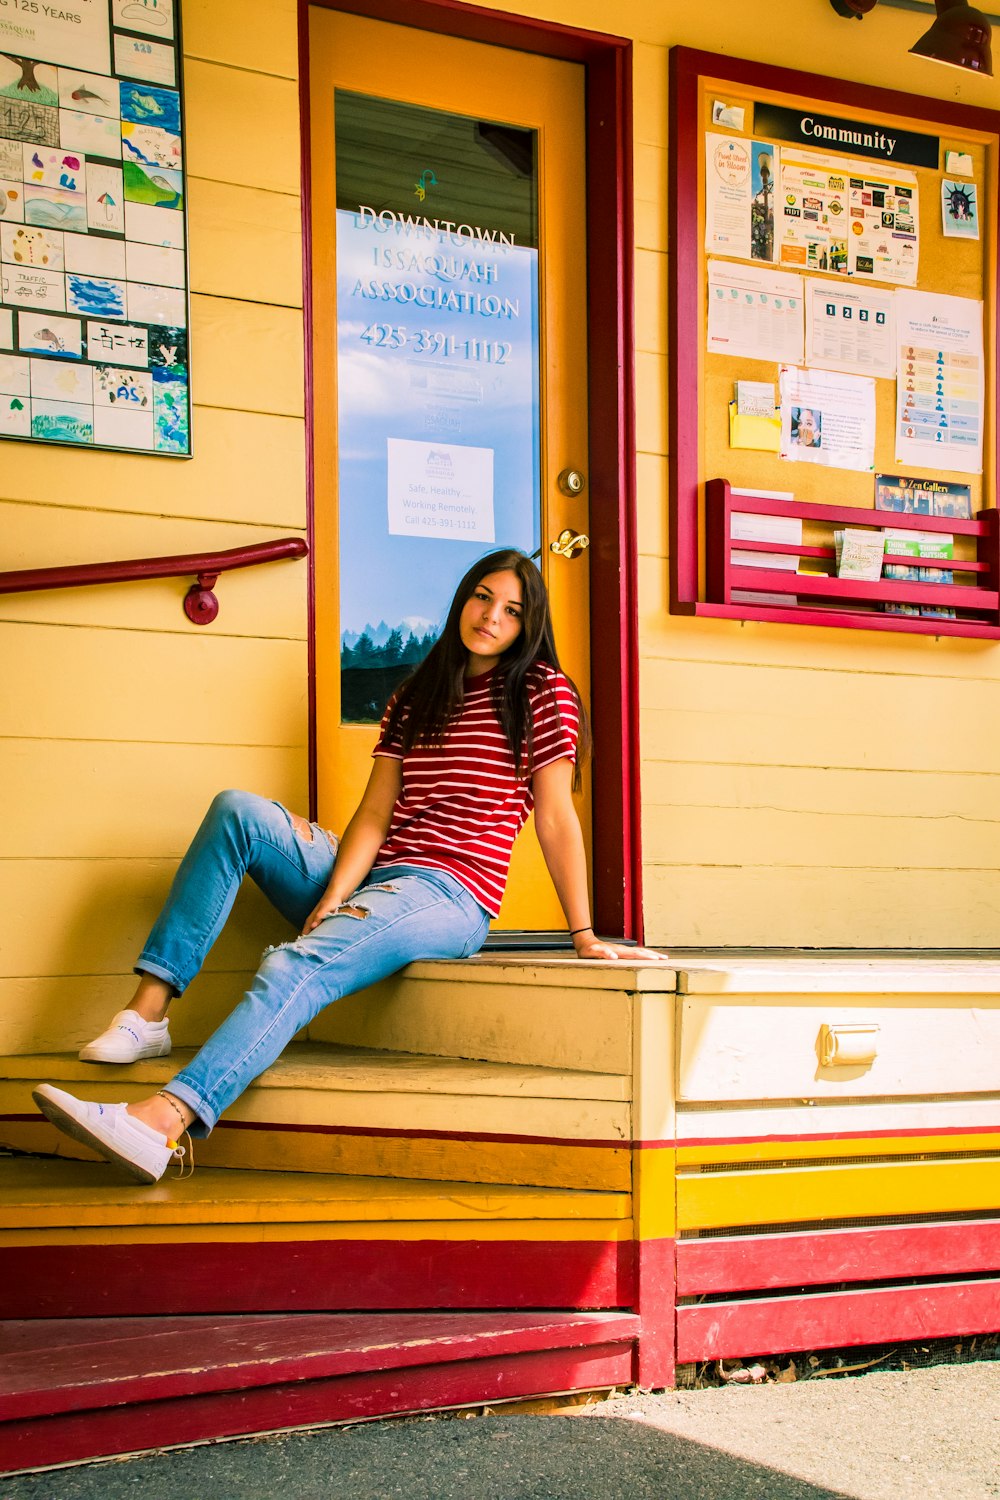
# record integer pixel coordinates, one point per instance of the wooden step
(72, 1390)
(546, 1010)
(78, 1239)
(325, 1108)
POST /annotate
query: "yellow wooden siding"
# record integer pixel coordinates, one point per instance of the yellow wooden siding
(37, 534)
(245, 243)
(120, 718)
(242, 127)
(716, 1200)
(260, 35)
(247, 466)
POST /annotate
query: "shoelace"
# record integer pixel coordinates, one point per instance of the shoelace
(186, 1168)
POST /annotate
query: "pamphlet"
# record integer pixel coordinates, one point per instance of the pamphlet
(859, 553)
(927, 544)
(922, 496)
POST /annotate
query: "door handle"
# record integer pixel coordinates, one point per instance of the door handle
(568, 543)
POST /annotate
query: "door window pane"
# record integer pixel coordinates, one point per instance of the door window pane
(438, 372)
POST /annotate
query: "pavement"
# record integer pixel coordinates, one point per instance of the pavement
(890, 1435)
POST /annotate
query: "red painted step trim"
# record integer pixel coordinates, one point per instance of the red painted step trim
(77, 1436)
(745, 1262)
(71, 1281)
(64, 1365)
(774, 1325)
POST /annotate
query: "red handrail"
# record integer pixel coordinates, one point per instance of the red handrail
(200, 603)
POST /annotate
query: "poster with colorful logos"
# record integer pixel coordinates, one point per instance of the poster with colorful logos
(845, 219)
(93, 259)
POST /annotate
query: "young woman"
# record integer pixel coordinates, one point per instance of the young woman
(487, 727)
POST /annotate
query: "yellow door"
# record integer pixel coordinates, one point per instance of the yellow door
(449, 365)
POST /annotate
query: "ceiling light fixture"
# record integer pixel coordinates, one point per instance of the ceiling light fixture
(960, 36)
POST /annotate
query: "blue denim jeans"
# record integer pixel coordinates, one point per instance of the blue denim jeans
(407, 913)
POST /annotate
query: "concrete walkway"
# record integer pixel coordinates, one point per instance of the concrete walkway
(916, 1435)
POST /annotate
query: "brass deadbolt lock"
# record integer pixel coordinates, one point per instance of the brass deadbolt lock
(571, 482)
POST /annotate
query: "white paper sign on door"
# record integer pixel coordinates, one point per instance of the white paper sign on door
(440, 489)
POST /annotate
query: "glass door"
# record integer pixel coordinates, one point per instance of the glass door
(449, 360)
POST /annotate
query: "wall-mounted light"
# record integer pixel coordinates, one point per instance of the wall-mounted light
(960, 35)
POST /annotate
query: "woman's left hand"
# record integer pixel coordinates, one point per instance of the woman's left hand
(591, 946)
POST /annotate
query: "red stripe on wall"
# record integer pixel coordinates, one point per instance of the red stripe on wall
(776, 1325)
(745, 1262)
(79, 1281)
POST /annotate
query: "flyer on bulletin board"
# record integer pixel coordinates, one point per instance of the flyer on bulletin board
(848, 218)
(940, 385)
(827, 418)
(739, 197)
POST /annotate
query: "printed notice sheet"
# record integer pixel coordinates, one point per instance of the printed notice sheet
(940, 382)
(739, 197)
(848, 218)
(827, 418)
(754, 312)
(850, 328)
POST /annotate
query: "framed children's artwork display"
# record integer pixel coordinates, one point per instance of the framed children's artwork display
(833, 342)
(93, 227)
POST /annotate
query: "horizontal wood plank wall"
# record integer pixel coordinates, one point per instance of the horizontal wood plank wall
(748, 837)
(121, 719)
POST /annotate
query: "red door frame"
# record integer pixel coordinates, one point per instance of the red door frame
(613, 553)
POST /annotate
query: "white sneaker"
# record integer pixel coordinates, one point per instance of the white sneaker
(118, 1136)
(128, 1039)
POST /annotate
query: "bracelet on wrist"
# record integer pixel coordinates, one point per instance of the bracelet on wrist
(577, 930)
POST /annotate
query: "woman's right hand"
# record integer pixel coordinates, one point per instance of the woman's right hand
(327, 903)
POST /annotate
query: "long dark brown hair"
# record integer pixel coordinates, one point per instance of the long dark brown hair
(427, 700)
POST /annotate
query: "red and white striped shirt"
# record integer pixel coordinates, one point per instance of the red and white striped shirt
(461, 806)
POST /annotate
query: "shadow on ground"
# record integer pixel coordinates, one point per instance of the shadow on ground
(493, 1458)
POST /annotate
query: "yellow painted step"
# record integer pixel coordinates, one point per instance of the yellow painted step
(548, 1010)
(341, 1109)
(59, 1202)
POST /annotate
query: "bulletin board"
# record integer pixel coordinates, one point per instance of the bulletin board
(834, 246)
(93, 214)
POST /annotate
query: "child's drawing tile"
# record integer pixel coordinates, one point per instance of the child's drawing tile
(30, 82)
(15, 416)
(11, 202)
(151, 17)
(171, 409)
(54, 208)
(41, 333)
(29, 122)
(125, 389)
(150, 146)
(159, 187)
(120, 428)
(15, 375)
(6, 328)
(154, 226)
(95, 296)
(26, 246)
(63, 169)
(156, 304)
(56, 380)
(91, 256)
(144, 104)
(95, 135)
(118, 341)
(152, 61)
(154, 263)
(89, 93)
(33, 288)
(106, 198)
(62, 421)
